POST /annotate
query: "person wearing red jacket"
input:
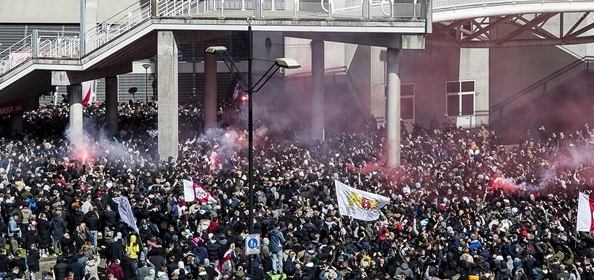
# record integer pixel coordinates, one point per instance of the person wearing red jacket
(115, 269)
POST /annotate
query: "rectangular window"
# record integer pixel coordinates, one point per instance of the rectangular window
(407, 101)
(467, 104)
(452, 87)
(467, 86)
(460, 98)
(453, 105)
(407, 108)
(407, 90)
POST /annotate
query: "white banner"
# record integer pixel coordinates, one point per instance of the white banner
(359, 204)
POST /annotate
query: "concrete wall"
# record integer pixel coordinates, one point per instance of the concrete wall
(377, 99)
(267, 47)
(56, 11)
(359, 75)
(429, 69)
(514, 69)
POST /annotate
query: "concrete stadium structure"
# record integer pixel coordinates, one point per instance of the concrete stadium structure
(396, 59)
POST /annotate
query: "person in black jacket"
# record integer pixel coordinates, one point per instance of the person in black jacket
(59, 226)
(110, 219)
(117, 248)
(213, 249)
(33, 260)
(67, 244)
(77, 268)
(61, 269)
(31, 237)
(18, 261)
(15, 273)
(45, 232)
(93, 222)
(129, 267)
(256, 271)
(4, 267)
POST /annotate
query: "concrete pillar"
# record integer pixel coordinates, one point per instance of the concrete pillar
(393, 107)
(16, 123)
(210, 90)
(167, 75)
(111, 104)
(75, 130)
(317, 98)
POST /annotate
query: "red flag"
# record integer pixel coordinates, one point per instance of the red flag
(225, 265)
(87, 92)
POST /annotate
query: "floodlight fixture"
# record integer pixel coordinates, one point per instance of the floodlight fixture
(287, 63)
(216, 50)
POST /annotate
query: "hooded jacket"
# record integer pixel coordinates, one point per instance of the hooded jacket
(404, 270)
(133, 248)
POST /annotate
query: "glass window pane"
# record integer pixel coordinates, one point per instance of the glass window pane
(452, 87)
(468, 86)
(407, 108)
(407, 90)
(467, 104)
(453, 107)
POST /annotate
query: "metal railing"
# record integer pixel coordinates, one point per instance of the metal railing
(16, 54)
(374, 8)
(321, 9)
(56, 44)
(116, 25)
(179, 8)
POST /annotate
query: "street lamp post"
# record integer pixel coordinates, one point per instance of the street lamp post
(146, 67)
(251, 88)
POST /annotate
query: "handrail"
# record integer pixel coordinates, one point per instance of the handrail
(56, 44)
(549, 82)
(176, 8)
(116, 25)
(16, 54)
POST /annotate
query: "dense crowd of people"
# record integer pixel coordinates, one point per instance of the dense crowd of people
(462, 206)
